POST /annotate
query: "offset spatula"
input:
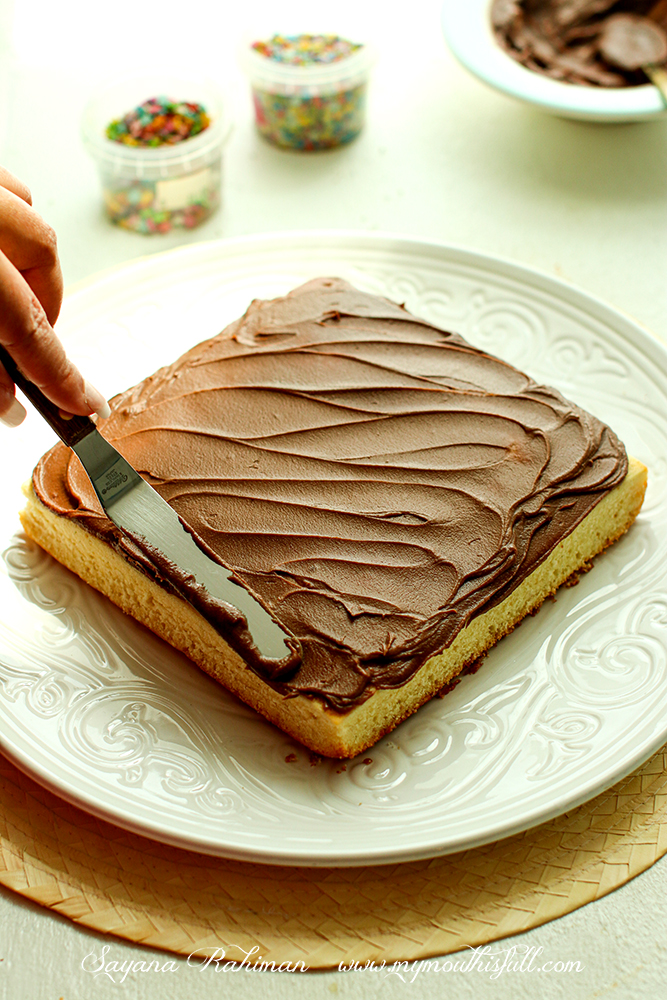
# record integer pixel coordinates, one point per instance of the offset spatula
(139, 511)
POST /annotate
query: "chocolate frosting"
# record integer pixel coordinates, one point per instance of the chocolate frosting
(374, 481)
(565, 39)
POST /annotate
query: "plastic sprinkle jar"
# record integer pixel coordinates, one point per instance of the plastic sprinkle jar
(309, 91)
(158, 147)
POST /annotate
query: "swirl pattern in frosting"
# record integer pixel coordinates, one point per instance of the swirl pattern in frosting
(375, 481)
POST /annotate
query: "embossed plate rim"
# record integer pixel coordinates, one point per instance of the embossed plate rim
(340, 846)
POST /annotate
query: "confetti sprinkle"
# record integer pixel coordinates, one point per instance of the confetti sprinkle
(139, 205)
(160, 205)
(304, 115)
(310, 122)
(159, 121)
(304, 50)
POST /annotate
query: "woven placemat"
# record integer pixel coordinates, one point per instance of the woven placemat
(117, 882)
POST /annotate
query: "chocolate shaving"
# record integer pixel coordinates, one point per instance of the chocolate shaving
(564, 39)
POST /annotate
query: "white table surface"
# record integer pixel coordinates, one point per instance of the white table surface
(442, 157)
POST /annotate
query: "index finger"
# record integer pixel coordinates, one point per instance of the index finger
(13, 184)
(30, 244)
(27, 334)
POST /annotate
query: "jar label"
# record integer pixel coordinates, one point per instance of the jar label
(179, 192)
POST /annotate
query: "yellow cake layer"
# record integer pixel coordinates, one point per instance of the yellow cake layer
(308, 719)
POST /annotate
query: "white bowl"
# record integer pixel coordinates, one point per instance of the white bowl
(468, 32)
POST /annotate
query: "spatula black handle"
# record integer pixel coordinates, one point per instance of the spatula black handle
(69, 429)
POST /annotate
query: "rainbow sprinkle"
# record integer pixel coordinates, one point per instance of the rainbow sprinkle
(159, 121)
(304, 50)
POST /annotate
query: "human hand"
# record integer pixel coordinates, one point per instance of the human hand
(31, 291)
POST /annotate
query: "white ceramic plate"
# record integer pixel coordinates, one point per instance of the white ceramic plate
(109, 717)
(467, 29)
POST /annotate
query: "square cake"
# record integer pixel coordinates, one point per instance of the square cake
(397, 499)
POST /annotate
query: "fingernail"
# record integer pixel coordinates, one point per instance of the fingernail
(15, 415)
(96, 401)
